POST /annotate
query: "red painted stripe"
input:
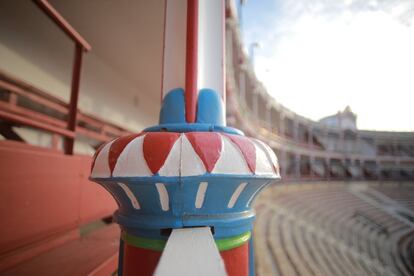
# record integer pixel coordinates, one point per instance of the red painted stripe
(207, 145)
(96, 154)
(236, 260)
(117, 147)
(157, 147)
(191, 61)
(247, 148)
(139, 261)
(268, 150)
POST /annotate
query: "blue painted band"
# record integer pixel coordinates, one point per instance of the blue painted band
(157, 178)
(182, 211)
(184, 127)
(222, 229)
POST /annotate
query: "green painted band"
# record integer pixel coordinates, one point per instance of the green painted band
(158, 245)
(233, 242)
(151, 244)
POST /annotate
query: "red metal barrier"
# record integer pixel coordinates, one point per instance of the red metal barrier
(13, 111)
(46, 197)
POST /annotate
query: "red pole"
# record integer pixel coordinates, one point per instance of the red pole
(191, 61)
(74, 95)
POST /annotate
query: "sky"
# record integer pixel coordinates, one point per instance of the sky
(318, 56)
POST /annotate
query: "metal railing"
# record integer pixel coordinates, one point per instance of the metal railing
(23, 104)
(81, 45)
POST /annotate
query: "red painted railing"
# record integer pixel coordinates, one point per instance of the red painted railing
(81, 45)
(46, 203)
(23, 104)
(69, 122)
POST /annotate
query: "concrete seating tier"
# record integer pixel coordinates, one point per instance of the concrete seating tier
(333, 229)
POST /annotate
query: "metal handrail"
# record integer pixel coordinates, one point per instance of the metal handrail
(61, 22)
(12, 110)
(81, 45)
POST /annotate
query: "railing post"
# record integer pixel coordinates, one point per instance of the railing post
(281, 126)
(74, 96)
(80, 45)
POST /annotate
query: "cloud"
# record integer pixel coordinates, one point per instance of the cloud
(400, 10)
(319, 56)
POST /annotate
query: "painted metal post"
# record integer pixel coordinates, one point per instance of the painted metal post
(310, 137)
(282, 124)
(312, 162)
(242, 87)
(80, 45)
(297, 166)
(296, 129)
(269, 116)
(255, 104)
(284, 162)
(74, 96)
(191, 170)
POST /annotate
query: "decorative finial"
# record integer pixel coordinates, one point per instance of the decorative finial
(191, 170)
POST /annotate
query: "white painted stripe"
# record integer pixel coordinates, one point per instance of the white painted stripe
(263, 161)
(171, 165)
(101, 167)
(270, 155)
(211, 45)
(191, 163)
(131, 161)
(201, 193)
(164, 199)
(191, 251)
(236, 195)
(231, 160)
(175, 32)
(130, 195)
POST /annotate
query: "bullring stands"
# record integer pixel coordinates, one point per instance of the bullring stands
(335, 229)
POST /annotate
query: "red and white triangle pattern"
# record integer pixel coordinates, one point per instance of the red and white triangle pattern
(184, 154)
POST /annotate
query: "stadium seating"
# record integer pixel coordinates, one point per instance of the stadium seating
(335, 229)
